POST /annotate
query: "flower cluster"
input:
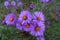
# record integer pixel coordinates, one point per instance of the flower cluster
(27, 22)
(12, 4)
(32, 23)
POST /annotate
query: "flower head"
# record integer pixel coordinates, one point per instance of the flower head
(13, 4)
(45, 1)
(19, 25)
(47, 23)
(41, 38)
(38, 16)
(25, 16)
(3, 22)
(19, 4)
(27, 27)
(31, 6)
(10, 19)
(6, 4)
(37, 29)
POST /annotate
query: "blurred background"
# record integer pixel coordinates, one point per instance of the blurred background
(51, 11)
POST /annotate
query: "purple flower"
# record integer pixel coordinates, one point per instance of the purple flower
(10, 19)
(3, 22)
(31, 6)
(58, 12)
(19, 25)
(27, 27)
(19, 4)
(45, 1)
(6, 4)
(41, 38)
(37, 29)
(47, 23)
(13, 4)
(25, 16)
(38, 16)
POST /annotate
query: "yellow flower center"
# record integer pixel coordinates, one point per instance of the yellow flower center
(27, 25)
(37, 28)
(24, 17)
(38, 18)
(11, 19)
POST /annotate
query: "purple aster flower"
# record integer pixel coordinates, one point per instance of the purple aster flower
(41, 38)
(19, 25)
(3, 22)
(38, 16)
(6, 4)
(27, 27)
(25, 16)
(13, 3)
(31, 6)
(10, 19)
(19, 4)
(45, 1)
(47, 23)
(58, 12)
(37, 29)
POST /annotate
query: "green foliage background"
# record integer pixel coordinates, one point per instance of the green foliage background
(52, 32)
